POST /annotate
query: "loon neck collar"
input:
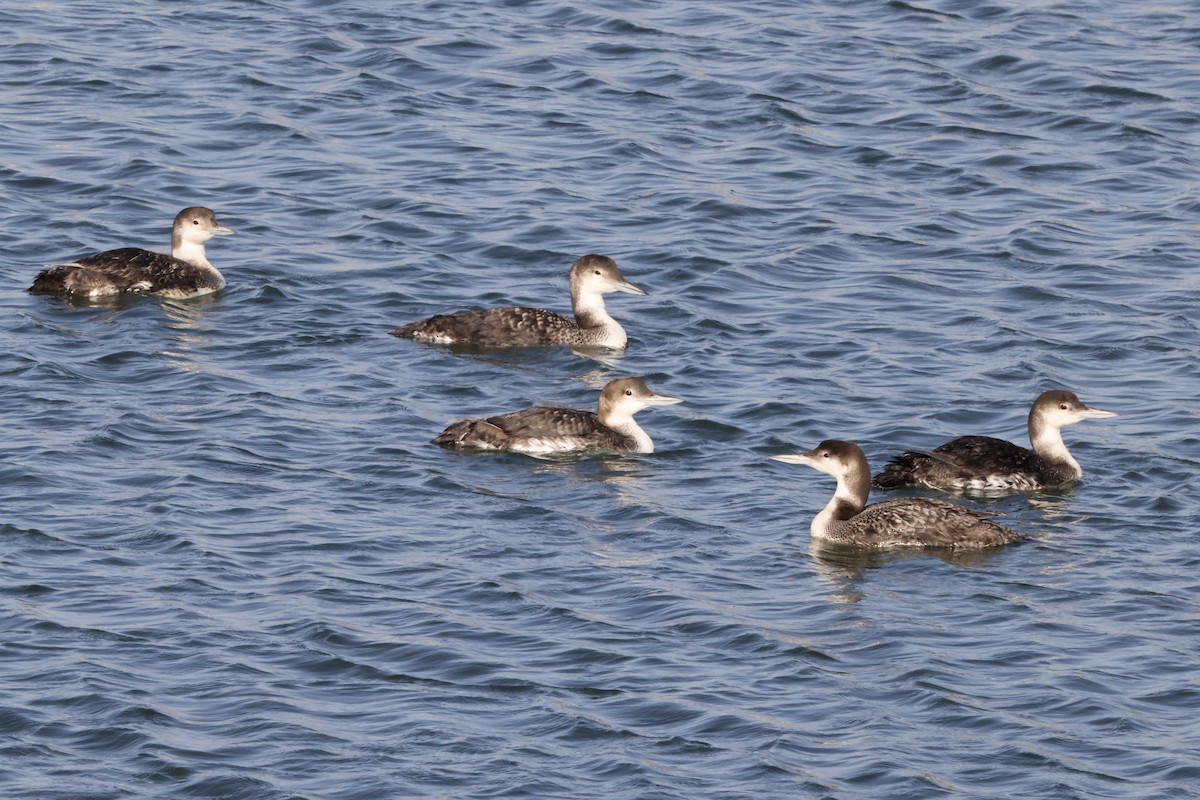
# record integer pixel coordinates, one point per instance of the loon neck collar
(849, 498)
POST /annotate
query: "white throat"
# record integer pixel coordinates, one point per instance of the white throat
(191, 252)
(1049, 445)
(844, 497)
(625, 424)
(823, 522)
(592, 314)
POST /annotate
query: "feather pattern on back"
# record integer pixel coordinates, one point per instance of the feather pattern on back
(922, 522)
(515, 327)
(973, 462)
(541, 429)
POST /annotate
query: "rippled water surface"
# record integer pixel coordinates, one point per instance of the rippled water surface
(232, 565)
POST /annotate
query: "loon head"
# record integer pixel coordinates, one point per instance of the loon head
(846, 462)
(843, 460)
(596, 275)
(624, 397)
(1057, 408)
(194, 226)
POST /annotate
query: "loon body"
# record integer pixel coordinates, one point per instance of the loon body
(982, 462)
(907, 521)
(544, 430)
(592, 277)
(184, 273)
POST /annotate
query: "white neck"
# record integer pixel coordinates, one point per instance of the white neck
(843, 497)
(191, 252)
(1049, 444)
(824, 521)
(625, 424)
(592, 315)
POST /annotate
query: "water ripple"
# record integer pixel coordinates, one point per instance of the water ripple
(234, 566)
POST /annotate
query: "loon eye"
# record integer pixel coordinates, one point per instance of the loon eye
(597, 272)
(1063, 406)
(629, 392)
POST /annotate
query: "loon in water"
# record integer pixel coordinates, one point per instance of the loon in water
(592, 277)
(981, 462)
(906, 521)
(184, 273)
(543, 430)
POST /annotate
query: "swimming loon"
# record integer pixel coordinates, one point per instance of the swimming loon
(905, 521)
(592, 277)
(981, 462)
(184, 273)
(542, 430)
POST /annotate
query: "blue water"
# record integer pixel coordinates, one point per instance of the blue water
(233, 566)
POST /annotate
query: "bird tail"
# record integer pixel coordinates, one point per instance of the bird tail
(477, 433)
(903, 470)
(409, 331)
(52, 279)
(427, 330)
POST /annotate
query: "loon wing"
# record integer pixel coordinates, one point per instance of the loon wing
(967, 458)
(926, 522)
(983, 455)
(544, 421)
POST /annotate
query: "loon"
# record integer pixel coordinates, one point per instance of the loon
(906, 521)
(543, 430)
(592, 277)
(981, 462)
(184, 273)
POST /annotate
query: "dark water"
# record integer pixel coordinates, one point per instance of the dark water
(232, 565)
